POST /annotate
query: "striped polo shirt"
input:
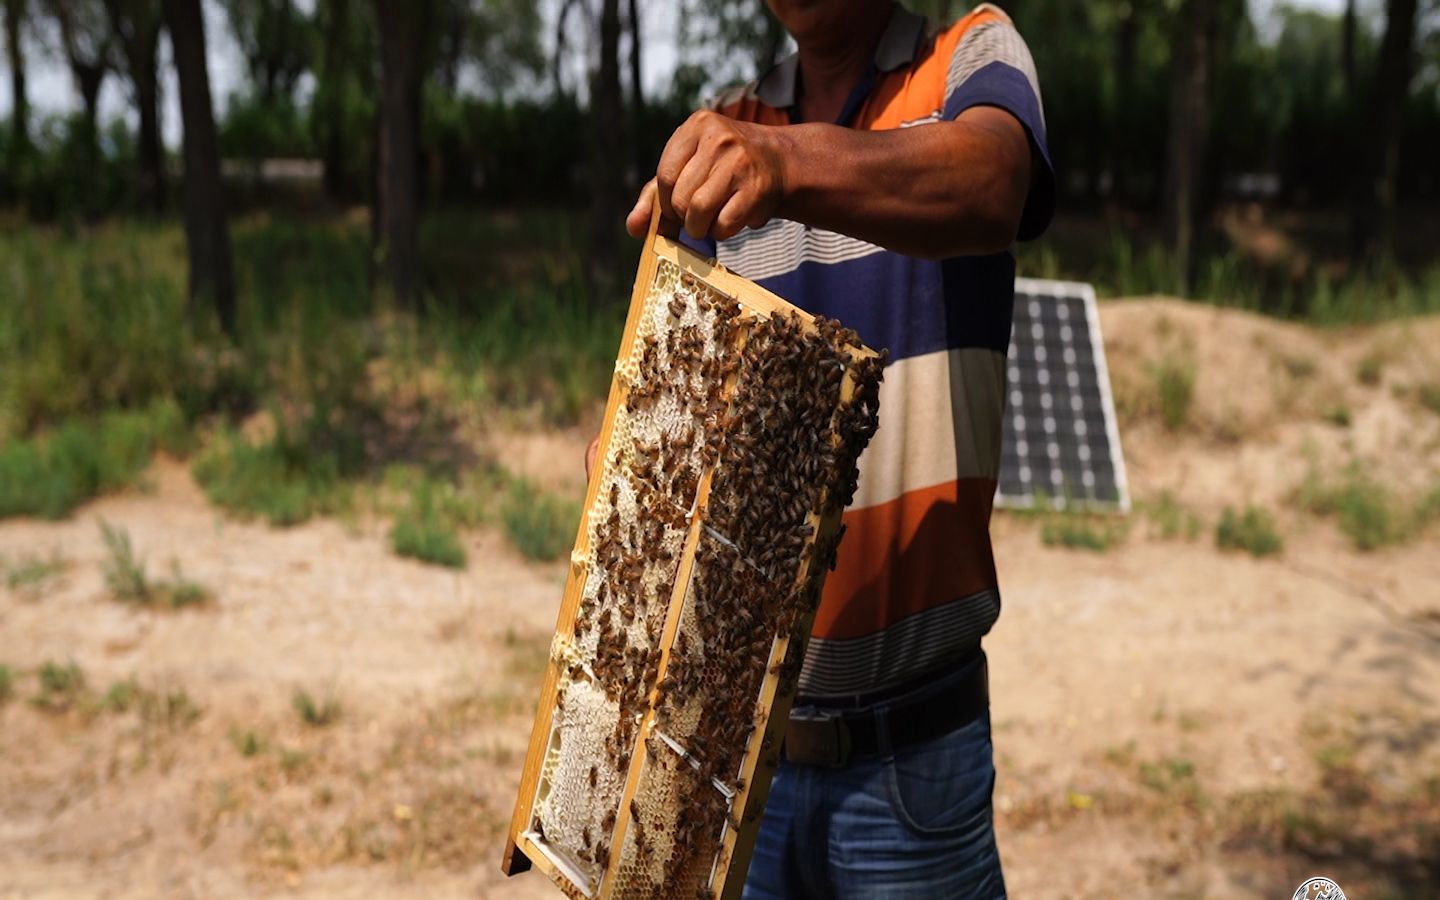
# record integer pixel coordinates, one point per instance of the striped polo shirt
(915, 589)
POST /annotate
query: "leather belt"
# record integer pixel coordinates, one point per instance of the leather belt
(832, 738)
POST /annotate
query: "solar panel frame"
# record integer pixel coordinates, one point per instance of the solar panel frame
(1018, 493)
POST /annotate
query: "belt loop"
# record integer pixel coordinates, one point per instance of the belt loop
(882, 731)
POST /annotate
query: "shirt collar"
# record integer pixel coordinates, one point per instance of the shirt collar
(896, 48)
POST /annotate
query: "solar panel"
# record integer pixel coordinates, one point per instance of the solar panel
(1061, 442)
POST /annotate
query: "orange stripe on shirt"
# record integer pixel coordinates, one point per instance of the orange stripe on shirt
(886, 569)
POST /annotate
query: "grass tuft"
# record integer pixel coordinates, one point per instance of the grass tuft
(60, 686)
(316, 712)
(1169, 519)
(126, 578)
(542, 527)
(1371, 370)
(422, 533)
(1175, 389)
(7, 682)
(1365, 510)
(1429, 396)
(1252, 531)
(29, 575)
(1338, 415)
(1080, 531)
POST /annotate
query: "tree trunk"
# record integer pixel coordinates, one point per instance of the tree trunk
(607, 152)
(397, 253)
(330, 96)
(1347, 49)
(137, 23)
(207, 235)
(1372, 222)
(1189, 133)
(19, 99)
(151, 150)
(89, 78)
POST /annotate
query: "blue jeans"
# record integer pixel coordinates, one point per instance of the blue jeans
(915, 823)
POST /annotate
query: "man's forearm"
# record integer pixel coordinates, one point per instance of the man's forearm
(948, 189)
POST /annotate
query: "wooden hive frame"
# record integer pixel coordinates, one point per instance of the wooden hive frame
(745, 795)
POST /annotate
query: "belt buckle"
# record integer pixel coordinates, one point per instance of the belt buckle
(817, 739)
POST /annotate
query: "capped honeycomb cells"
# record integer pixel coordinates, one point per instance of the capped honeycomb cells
(677, 822)
(709, 698)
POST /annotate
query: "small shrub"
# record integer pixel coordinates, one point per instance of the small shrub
(1082, 532)
(422, 534)
(1175, 388)
(540, 526)
(1338, 415)
(316, 712)
(1370, 370)
(7, 682)
(60, 686)
(1253, 531)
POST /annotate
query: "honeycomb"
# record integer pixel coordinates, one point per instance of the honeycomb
(732, 443)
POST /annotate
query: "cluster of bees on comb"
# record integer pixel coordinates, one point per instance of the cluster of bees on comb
(759, 405)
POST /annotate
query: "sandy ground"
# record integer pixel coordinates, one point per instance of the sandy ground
(1170, 720)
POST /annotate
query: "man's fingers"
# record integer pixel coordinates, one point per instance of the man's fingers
(707, 201)
(677, 154)
(738, 212)
(638, 221)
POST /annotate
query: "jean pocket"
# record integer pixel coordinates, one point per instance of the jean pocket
(944, 785)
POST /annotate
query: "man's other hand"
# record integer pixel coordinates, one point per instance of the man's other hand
(590, 452)
(716, 177)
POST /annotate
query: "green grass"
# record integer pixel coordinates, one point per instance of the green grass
(1170, 519)
(541, 526)
(1120, 264)
(247, 742)
(1253, 531)
(277, 480)
(1338, 415)
(1429, 396)
(121, 696)
(1371, 370)
(1081, 531)
(421, 533)
(30, 574)
(317, 712)
(60, 686)
(128, 582)
(1174, 389)
(52, 473)
(1367, 512)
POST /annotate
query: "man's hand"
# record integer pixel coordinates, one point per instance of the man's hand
(715, 177)
(955, 188)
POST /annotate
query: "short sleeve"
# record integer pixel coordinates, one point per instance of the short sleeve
(992, 66)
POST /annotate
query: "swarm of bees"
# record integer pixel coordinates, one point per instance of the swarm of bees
(759, 406)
